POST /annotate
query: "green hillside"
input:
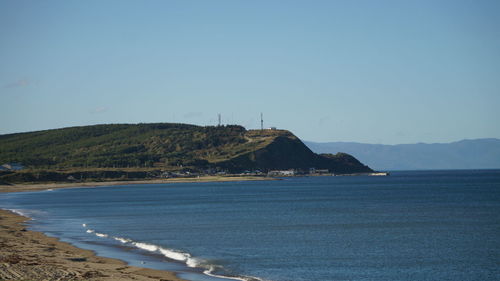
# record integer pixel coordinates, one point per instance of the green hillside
(167, 146)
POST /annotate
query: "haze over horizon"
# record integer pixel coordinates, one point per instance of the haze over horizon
(386, 72)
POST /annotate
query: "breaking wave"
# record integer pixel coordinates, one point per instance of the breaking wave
(208, 269)
(18, 212)
(123, 240)
(28, 213)
(102, 235)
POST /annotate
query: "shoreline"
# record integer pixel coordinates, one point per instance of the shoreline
(31, 255)
(23, 187)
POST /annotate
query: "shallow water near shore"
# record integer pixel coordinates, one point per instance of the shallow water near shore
(429, 225)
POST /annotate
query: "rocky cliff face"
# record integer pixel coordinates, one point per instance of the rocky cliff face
(286, 151)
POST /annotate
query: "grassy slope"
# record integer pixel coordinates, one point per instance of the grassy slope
(167, 146)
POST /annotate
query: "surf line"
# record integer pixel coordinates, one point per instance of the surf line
(190, 261)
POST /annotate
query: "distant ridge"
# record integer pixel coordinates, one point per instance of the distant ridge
(168, 146)
(464, 154)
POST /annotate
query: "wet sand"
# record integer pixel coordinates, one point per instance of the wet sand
(30, 255)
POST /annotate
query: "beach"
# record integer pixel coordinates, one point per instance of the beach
(44, 186)
(30, 255)
(414, 225)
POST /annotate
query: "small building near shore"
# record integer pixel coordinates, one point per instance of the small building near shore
(281, 173)
(322, 171)
(314, 171)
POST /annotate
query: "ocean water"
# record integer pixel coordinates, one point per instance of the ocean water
(428, 225)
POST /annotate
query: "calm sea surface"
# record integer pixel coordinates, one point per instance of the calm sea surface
(432, 225)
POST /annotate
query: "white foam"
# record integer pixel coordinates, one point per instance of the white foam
(102, 235)
(19, 212)
(174, 255)
(146, 246)
(123, 240)
(193, 262)
(171, 254)
(209, 273)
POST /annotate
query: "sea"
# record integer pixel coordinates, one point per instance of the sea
(411, 225)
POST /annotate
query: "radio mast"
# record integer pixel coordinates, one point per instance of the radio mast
(261, 122)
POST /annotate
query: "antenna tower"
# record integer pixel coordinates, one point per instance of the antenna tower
(219, 119)
(261, 122)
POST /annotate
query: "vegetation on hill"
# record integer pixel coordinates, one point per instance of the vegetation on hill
(167, 146)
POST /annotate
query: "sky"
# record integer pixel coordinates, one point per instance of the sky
(382, 71)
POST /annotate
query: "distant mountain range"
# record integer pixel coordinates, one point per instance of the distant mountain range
(464, 154)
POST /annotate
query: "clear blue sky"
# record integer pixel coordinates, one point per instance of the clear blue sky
(366, 71)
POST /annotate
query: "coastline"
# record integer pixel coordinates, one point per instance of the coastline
(31, 255)
(44, 186)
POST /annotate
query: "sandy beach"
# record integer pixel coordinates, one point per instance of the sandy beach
(30, 255)
(44, 186)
